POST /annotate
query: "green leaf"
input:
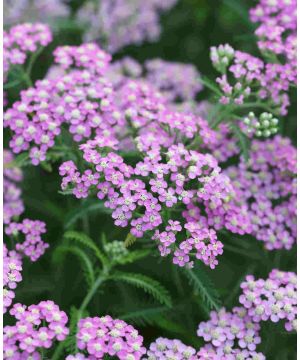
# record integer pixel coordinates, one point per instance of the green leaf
(19, 161)
(244, 142)
(87, 265)
(130, 240)
(87, 207)
(204, 287)
(149, 285)
(146, 316)
(134, 256)
(86, 241)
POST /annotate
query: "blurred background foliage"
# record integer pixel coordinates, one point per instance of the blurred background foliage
(189, 30)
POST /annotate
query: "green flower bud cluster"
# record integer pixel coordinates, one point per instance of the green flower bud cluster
(264, 126)
(221, 57)
(116, 250)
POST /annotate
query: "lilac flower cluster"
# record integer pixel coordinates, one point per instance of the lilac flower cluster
(231, 335)
(140, 196)
(164, 348)
(81, 98)
(273, 299)
(235, 335)
(33, 246)
(244, 75)
(37, 327)
(119, 23)
(12, 268)
(267, 184)
(12, 203)
(174, 80)
(21, 40)
(13, 207)
(103, 335)
(33, 10)
(277, 33)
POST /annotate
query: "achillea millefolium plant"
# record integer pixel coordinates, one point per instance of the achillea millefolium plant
(149, 180)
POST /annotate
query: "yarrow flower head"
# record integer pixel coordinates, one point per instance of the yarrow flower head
(164, 348)
(98, 336)
(119, 23)
(12, 268)
(242, 74)
(271, 299)
(21, 40)
(16, 12)
(36, 327)
(267, 185)
(33, 246)
(263, 126)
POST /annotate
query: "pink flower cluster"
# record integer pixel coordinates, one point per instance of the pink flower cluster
(118, 23)
(81, 98)
(141, 197)
(163, 348)
(12, 268)
(12, 203)
(267, 183)
(277, 32)
(176, 81)
(235, 335)
(244, 75)
(37, 327)
(273, 299)
(103, 335)
(33, 246)
(231, 334)
(21, 40)
(33, 10)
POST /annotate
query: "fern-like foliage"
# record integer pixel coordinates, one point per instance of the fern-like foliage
(85, 240)
(149, 285)
(204, 287)
(134, 256)
(86, 263)
(87, 207)
(70, 342)
(130, 240)
(147, 316)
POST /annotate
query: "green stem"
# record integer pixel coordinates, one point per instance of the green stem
(101, 278)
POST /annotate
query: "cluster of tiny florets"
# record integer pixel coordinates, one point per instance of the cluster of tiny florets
(118, 23)
(36, 327)
(244, 75)
(79, 98)
(267, 184)
(103, 335)
(163, 348)
(21, 40)
(272, 299)
(264, 125)
(277, 32)
(33, 246)
(16, 12)
(12, 268)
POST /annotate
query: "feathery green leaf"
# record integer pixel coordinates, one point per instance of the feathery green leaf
(86, 241)
(204, 286)
(149, 285)
(87, 207)
(130, 240)
(87, 265)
